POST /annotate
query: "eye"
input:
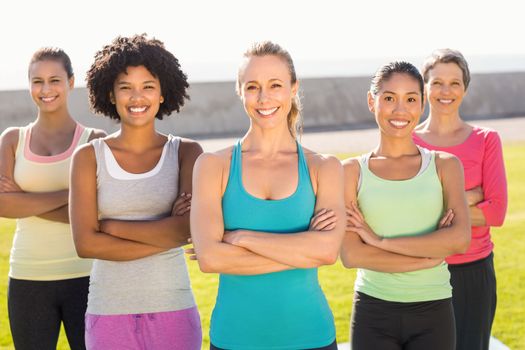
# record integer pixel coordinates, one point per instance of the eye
(149, 87)
(276, 85)
(436, 83)
(455, 83)
(388, 98)
(55, 80)
(251, 87)
(411, 99)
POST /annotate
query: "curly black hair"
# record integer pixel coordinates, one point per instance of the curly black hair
(135, 51)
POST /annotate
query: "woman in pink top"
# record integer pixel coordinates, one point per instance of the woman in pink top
(446, 75)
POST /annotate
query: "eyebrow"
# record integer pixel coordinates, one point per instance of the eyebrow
(124, 82)
(256, 82)
(408, 93)
(51, 77)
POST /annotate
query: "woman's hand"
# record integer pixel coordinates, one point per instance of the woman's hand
(182, 204)
(355, 222)
(446, 220)
(8, 185)
(474, 195)
(323, 220)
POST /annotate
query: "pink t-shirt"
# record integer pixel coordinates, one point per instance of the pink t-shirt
(482, 158)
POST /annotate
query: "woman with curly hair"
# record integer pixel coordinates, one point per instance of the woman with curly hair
(473, 278)
(130, 203)
(274, 213)
(48, 283)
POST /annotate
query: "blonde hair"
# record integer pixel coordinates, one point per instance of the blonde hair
(268, 48)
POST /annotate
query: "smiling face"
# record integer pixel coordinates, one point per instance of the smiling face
(266, 90)
(137, 96)
(445, 88)
(397, 105)
(49, 85)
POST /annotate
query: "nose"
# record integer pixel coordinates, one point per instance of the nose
(400, 107)
(136, 94)
(263, 95)
(45, 87)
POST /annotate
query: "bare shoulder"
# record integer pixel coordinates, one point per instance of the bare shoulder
(215, 160)
(447, 163)
(319, 161)
(9, 137)
(96, 134)
(84, 153)
(351, 167)
(190, 147)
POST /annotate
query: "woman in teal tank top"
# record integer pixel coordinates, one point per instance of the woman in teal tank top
(265, 214)
(406, 212)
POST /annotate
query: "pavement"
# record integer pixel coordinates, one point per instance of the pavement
(355, 141)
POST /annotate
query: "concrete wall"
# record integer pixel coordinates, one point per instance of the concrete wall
(329, 103)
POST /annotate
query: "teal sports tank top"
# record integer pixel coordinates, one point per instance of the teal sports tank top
(280, 310)
(395, 208)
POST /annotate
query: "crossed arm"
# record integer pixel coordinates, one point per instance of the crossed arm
(249, 252)
(16, 203)
(124, 240)
(363, 248)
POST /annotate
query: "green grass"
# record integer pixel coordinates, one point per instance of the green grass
(337, 282)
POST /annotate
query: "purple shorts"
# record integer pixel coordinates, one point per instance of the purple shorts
(154, 331)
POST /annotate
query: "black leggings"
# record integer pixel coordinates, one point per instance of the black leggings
(386, 325)
(36, 309)
(474, 299)
(332, 346)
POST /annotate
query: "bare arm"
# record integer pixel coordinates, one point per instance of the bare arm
(207, 226)
(445, 241)
(90, 242)
(357, 254)
(311, 248)
(174, 230)
(14, 203)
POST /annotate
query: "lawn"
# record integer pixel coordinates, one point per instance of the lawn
(337, 282)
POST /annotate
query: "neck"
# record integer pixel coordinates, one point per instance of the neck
(57, 120)
(395, 147)
(268, 142)
(441, 123)
(138, 138)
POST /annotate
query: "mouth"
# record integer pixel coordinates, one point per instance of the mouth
(267, 112)
(48, 99)
(445, 101)
(398, 123)
(137, 109)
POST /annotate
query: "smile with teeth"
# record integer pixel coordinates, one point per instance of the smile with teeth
(399, 123)
(267, 112)
(48, 99)
(138, 109)
(445, 101)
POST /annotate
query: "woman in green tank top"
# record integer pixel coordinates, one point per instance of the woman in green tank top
(406, 212)
(251, 219)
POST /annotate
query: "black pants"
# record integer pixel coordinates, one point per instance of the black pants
(386, 325)
(332, 346)
(36, 309)
(474, 299)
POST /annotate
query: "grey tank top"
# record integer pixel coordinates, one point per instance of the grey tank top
(155, 283)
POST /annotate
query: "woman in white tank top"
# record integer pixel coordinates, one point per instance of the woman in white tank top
(48, 282)
(130, 201)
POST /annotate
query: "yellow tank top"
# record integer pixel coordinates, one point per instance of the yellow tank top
(43, 250)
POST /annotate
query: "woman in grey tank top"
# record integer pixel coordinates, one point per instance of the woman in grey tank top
(130, 201)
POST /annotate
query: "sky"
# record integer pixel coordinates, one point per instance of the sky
(325, 38)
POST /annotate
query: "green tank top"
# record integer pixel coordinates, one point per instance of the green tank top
(395, 208)
(279, 310)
